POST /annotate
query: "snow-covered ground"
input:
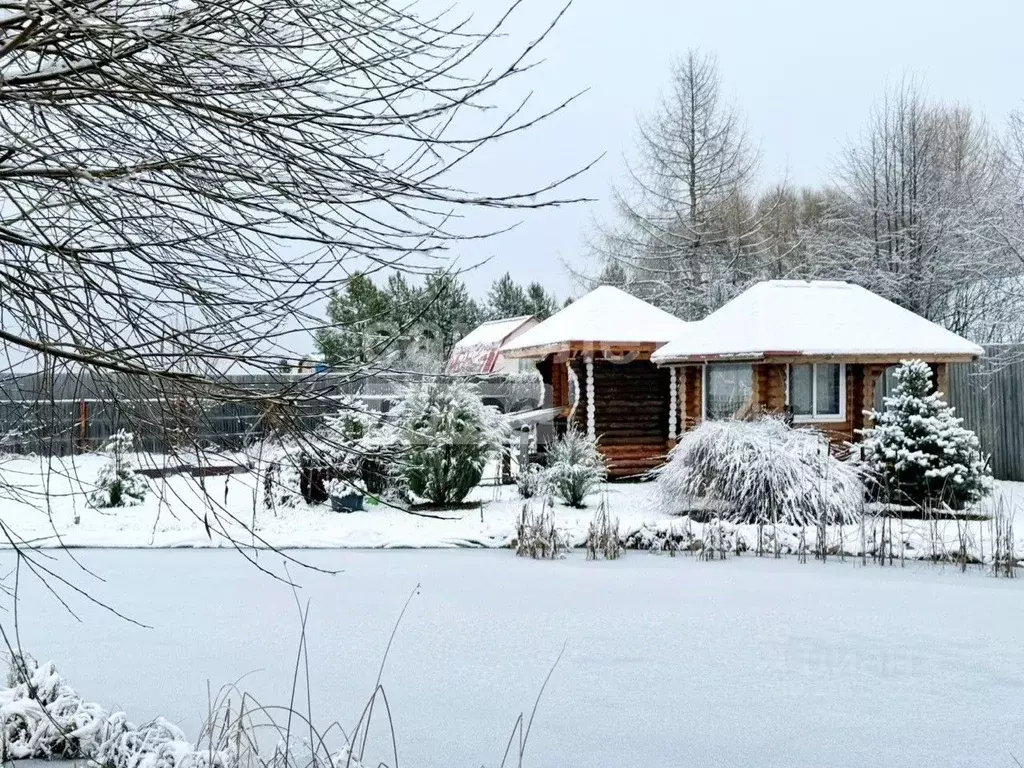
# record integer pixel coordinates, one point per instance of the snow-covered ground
(667, 661)
(49, 510)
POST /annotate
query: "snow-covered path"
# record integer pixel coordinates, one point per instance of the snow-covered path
(667, 661)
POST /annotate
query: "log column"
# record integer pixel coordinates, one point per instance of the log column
(672, 405)
(591, 419)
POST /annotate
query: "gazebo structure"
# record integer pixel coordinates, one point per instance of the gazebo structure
(595, 359)
(813, 350)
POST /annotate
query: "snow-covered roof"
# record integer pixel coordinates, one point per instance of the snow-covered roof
(494, 331)
(478, 351)
(605, 316)
(790, 318)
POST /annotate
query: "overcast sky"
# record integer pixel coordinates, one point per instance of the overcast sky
(805, 75)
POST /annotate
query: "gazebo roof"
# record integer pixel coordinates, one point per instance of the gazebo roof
(799, 318)
(605, 319)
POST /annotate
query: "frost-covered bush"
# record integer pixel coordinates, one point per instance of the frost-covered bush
(920, 450)
(763, 472)
(531, 482)
(448, 434)
(159, 744)
(117, 484)
(43, 717)
(353, 446)
(575, 468)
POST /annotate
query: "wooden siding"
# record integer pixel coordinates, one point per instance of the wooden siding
(769, 396)
(631, 408)
(693, 397)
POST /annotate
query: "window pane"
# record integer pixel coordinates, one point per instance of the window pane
(729, 390)
(800, 392)
(827, 399)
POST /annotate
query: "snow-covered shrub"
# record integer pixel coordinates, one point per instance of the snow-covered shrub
(449, 433)
(42, 716)
(536, 535)
(920, 450)
(575, 468)
(159, 744)
(762, 471)
(353, 446)
(530, 482)
(671, 539)
(383, 455)
(117, 484)
(603, 536)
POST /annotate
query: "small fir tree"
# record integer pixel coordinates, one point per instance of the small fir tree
(449, 434)
(919, 448)
(117, 484)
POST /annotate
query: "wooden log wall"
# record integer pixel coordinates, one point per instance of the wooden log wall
(631, 407)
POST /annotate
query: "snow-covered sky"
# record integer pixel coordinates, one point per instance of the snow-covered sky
(805, 73)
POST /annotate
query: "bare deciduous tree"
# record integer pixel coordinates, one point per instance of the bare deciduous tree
(687, 231)
(184, 183)
(920, 193)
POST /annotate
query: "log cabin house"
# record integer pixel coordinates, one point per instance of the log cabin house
(814, 350)
(595, 359)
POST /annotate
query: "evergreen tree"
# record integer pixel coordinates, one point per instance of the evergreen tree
(507, 299)
(448, 314)
(541, 303)
(613, 274)
(117, 484)
(920, 450)
(449, 434)
(359, 319)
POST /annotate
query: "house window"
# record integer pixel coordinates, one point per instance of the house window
(727, 389)
(817, 392)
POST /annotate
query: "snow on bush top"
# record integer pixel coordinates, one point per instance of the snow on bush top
(763, 471)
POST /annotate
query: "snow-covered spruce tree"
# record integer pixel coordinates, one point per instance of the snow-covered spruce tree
(919, 450)
(575, 468)
(117, 484)
(448, 432)
(761, 471)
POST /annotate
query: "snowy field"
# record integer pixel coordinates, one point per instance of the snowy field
(667, 661)
(49, 510)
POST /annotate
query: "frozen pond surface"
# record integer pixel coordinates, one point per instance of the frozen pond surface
(667, 662)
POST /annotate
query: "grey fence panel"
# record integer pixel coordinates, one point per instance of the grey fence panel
(989, 396)
(65, 412)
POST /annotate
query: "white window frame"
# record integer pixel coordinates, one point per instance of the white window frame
(704, 384)
(814, 418)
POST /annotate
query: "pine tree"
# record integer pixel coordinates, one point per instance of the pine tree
(359, 319)
(542, 304)
(117, 484)
(507, 299)
(920, 449)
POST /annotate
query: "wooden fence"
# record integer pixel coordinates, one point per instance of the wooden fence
(989, 396)
(72, 413)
